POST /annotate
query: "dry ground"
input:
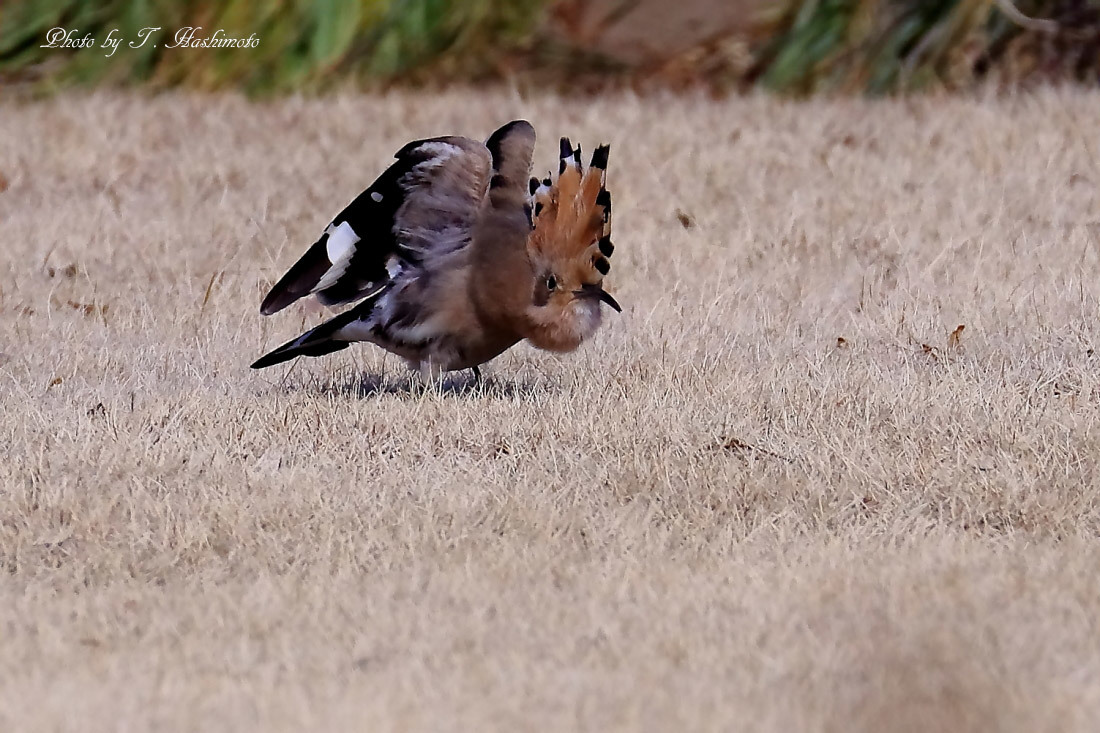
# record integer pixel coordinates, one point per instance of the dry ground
(773, 495)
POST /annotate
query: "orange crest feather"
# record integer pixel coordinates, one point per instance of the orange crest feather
(571, 217)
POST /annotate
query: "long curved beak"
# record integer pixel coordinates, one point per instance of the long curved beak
(597, 291)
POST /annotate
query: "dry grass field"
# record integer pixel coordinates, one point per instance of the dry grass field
(780, 492)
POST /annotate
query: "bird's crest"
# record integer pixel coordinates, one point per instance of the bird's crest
(571, 217)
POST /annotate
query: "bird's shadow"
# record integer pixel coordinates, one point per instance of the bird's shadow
(367, 386)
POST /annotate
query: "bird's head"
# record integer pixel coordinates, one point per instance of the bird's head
(568, 249)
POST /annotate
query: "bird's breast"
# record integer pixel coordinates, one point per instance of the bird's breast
(430, 317)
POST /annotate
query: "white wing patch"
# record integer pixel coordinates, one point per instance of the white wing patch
(340, 248)
(341, 242)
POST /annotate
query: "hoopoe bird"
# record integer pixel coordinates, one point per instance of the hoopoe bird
(455, 257)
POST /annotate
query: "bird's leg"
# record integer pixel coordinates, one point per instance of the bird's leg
(477, 375)
(431, 374)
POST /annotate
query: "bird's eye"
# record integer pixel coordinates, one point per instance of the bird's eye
(551, 283)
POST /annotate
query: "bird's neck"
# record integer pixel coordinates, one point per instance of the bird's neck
(501, 276)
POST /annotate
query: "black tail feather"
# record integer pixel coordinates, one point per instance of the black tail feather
(319, 340)
(289, 351)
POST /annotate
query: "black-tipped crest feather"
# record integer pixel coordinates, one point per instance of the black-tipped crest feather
(599, 157)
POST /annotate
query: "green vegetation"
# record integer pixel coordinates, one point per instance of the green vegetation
(306, 44)
(798, 46)
(879, 46)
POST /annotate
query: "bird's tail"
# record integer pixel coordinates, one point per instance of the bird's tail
(318, 341)
(572, 215)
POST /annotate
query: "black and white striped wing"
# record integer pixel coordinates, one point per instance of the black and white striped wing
(424, 204)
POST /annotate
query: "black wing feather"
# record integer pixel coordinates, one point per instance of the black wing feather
(371, 217)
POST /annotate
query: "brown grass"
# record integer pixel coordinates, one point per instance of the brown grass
(775, 494)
